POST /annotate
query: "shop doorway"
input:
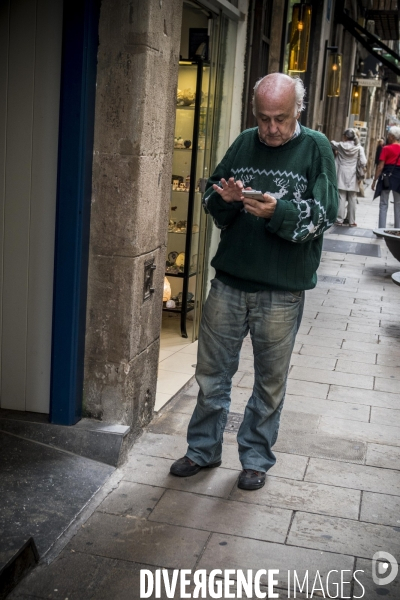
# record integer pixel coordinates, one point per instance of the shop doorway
(203, 120)
(185, 247)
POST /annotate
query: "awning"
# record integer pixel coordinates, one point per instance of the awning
(369, 40)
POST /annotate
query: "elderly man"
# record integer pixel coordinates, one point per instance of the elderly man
(268, 255)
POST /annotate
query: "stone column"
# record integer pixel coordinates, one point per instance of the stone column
(132, 166)
(337, 109)
(278, 11)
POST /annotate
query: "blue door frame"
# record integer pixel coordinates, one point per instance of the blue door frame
(74, 185)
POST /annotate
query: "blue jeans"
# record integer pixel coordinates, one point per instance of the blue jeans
(273, 318)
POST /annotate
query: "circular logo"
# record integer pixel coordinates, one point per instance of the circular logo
(384, 568)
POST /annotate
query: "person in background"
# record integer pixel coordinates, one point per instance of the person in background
(388, 169)
(348, 153)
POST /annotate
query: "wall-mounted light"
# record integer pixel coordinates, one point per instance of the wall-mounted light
(299, 37)
(356, 99)
(332, 64)
(334, 74)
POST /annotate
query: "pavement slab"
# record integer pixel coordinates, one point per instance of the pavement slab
(343, 335)
(303, 495)
(370, 590)
(319, 341)
(330, 447)
(132, 499)
(368, 432)
(386, 457)
(368, 347)
(312, 361)
(381, 508)
(343, 535)
(353, 476)
(392, 342)
(358, 326)
(328, 377)
(185, 404)
(338, 353)
(386, 385)
(367, 397)
(267, 523)
(320, 406)
(293, 421)
(171, 422)
(139, 540)
(386, 416)
(74, 575)
(288, 466)
(349, 366)
(297, 387)
(154, 471)
(232, 552)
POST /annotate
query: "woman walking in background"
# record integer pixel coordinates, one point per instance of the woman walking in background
(387, 175)
(348, 154)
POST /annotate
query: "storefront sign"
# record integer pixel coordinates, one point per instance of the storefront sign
(369, 82)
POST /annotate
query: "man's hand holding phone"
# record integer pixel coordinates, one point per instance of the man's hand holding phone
(255, 202)
(258, 204)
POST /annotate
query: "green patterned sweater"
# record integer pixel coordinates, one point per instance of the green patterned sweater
(281, 253)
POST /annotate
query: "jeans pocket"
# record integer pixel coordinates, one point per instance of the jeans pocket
(294, 305)
(295, 296)
(216, 286)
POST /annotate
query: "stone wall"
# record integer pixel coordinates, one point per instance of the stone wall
(132, 164)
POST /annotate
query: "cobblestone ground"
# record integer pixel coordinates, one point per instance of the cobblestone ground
(332, 500)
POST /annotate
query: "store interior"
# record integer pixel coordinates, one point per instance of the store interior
(183, 282)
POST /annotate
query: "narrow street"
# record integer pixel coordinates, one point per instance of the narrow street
(332, 500)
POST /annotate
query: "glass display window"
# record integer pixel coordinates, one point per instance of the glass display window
(187, 185)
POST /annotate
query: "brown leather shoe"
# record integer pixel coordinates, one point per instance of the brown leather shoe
(251, 480)
(184, 467)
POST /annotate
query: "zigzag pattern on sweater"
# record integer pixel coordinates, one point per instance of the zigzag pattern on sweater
(266, 173)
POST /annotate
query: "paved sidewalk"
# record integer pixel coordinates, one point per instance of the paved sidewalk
(332, 500)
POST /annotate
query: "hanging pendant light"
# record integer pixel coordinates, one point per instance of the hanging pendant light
(356, 99)
(334, 74)
(299, 37)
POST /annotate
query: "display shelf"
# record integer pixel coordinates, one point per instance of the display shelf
(182, 232)
(179, 274)
(188, 171)
(178, 309)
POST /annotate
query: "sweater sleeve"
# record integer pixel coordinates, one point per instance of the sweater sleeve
(301, 220)
(223, 213)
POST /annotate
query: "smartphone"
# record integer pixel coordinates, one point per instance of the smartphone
(254, 194)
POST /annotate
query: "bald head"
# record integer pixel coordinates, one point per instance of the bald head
(278, 87)
(277, 102)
